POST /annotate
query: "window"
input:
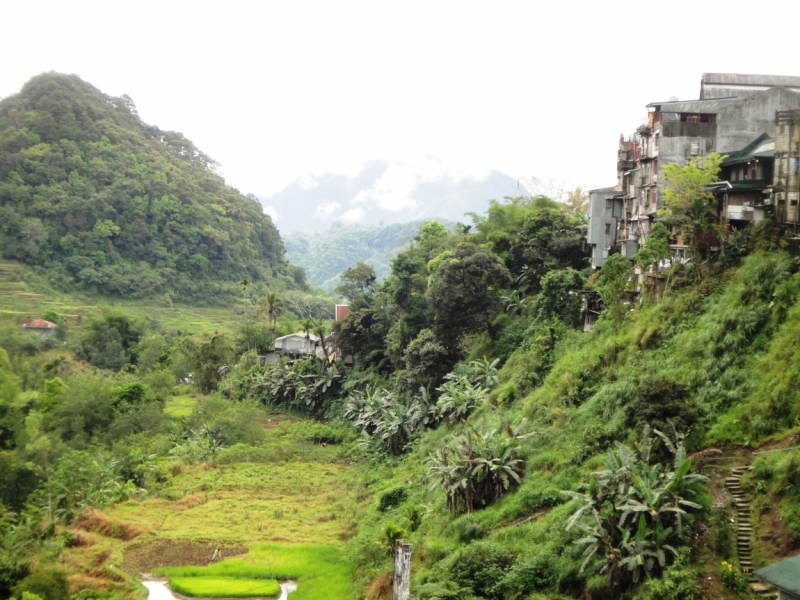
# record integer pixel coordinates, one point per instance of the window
(698, 118)
(608, 228)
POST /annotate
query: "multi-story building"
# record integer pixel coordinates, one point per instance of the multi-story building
(787, 166)
(675, 131)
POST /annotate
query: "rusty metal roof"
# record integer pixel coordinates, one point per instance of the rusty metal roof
(40, 324)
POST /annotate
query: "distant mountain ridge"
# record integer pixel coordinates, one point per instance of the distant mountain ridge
(326, 254)
(382, 194)
(96, 199)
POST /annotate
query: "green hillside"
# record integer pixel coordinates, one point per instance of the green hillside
(323, 256)
(97, 200)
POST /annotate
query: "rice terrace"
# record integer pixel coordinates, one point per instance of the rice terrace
(279, 520)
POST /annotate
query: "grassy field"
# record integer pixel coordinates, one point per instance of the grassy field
(206, 587)
(321, 572)
(294, 502)
(180, 406)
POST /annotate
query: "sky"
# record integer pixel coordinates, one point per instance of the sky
(278, 92)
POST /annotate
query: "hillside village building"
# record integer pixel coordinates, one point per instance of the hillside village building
(736, 115)
(40, 326)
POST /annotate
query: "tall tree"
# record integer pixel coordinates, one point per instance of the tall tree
(688, 204)
(465, 293)
(357, 281)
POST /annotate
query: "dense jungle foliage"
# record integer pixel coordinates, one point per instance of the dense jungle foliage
(97, 200)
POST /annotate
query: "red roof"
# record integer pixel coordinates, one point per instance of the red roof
(40, 324)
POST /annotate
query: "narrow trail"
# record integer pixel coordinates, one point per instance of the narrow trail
(744, 531)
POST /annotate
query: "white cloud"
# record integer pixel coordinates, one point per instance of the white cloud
(353, 215)
(308, 181)
(393, 190)
(270, 210)
(326, 209)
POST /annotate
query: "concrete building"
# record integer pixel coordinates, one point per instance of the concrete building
(745, 186)
(787, 166)
(40, 326)
(606, 210)
(297, 344)
(676, 131)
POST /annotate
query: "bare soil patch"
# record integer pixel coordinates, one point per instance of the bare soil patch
(142, 557)
(96, 522)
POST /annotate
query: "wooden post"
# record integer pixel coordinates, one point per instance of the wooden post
(401, 589)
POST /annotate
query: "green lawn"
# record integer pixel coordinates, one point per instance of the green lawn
(207, 587)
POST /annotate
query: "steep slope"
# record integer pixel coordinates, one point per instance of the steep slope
(100, 200)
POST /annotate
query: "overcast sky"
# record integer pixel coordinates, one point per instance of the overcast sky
(276, 91)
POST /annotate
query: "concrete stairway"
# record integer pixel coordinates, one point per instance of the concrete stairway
(744, 531)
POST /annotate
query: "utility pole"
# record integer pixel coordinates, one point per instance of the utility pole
(401, 589)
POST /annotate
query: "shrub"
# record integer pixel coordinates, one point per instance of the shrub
(724, 534)
(733, 578)
(467, 528)
(679, 582)
(481, 567)
(392, 499)
(49, 584)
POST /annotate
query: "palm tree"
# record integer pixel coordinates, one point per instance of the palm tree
(308, 324)
(272, 305)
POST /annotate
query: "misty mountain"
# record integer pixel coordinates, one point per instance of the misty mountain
(324, 255)
(382, 194)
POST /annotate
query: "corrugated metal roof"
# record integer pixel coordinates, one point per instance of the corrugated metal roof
(693, 106)
(761, 147)
(784, 575)
(750, 79)
(724, 85)
(313, 338)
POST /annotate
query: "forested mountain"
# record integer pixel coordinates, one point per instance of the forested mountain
(96, 199)
(326, 254)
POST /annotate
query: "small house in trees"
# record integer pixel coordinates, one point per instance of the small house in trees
(785, 576)
(297, 344)
(40, 326)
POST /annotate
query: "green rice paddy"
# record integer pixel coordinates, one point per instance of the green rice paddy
(321, 571)
(207, 587)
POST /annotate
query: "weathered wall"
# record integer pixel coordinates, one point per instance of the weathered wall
(604, 215)
(401, 588)
(740, 123)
